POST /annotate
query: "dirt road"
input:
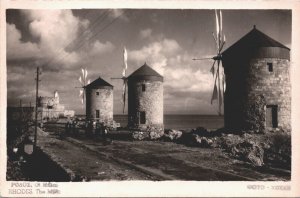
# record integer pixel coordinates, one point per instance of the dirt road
(149, 160)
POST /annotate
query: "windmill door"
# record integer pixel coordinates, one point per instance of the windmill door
(141, 117)
(272, 116)
(97, 113)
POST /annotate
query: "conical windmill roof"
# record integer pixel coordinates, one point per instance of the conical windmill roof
(145, 72)
(253, 40)
(99, 82)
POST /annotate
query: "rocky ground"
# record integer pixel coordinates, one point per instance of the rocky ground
(199, 155)
(272, 149)
(260, 150)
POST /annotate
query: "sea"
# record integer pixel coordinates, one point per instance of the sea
(184, 122)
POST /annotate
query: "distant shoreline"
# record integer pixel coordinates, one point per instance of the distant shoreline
(181, 121)
(208, 115)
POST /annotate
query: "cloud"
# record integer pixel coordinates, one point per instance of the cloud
(180, 72)
(54, 44)
(146, 33)
(188, 80)
(17, 49)
(54, 30)
(187, 84)
(155, 54)
(118, 13)
(58, 35)
(101, 48)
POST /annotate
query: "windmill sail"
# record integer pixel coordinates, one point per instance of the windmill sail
(125, 58)
(212, 70)
(125, 66)
(217, 70)
(220, 37)
(124, 77)
(83, 82)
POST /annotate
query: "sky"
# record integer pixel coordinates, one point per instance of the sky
(61, 42)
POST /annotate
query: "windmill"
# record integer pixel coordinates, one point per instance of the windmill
(83, 81)
(218, 72)
(124, 78)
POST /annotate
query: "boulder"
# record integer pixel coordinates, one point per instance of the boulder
(188, 139)
(148, 133)
(249, 151)
(171, 135)
(200, 131)
(140, 135)
(155, 132)
(204, 141)
(154, 135)
(191, 139)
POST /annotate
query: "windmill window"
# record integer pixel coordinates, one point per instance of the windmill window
(97, 113)
(142, 117)
(270, 67)
(143, 87)
(97, 93)
(272, 116)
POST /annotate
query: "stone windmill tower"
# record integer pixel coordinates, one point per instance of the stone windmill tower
(99, 101)
(145, 99)
(257, 93)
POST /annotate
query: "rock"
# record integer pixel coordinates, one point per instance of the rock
(154, 132)
(188, 139)
(156, 135)
(220, 132)
(171, 135)
(203, 141)
(249, 151)
(140, 135)
(200, 131)
(246, 135)
(149, 132)
(255, 156)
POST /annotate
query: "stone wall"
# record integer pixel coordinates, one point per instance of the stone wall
(102, 102)
(268, 88)
(251, 87)
(150, 101)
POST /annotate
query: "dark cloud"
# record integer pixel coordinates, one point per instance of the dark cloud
(62, 42)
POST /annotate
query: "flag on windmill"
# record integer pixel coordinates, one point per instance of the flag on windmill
(83, 82)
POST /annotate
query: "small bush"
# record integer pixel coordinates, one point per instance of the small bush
(278, 150)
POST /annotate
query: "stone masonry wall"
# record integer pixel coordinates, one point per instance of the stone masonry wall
(267, 88)
(150, 101)
(102, 102)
